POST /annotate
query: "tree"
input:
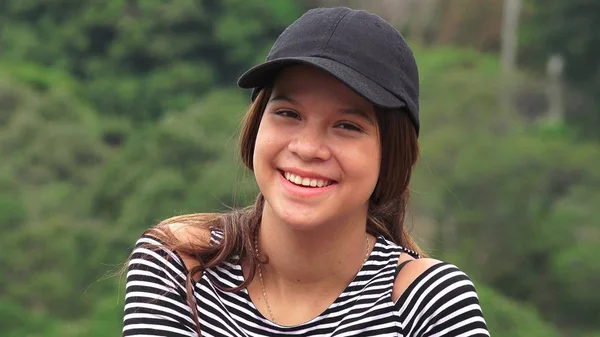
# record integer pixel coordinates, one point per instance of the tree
(567, 28)
(508, 195)
(185, 163)
(138, 59)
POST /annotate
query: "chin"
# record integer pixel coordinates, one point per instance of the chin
(301, 221)
(300, 218)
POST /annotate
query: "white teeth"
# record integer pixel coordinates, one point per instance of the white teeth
(306, 181)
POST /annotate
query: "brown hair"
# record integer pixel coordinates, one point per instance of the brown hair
(387, 206)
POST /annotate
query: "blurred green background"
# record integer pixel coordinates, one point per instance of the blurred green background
(117, 114)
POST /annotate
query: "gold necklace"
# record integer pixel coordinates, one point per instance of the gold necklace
(260, 274)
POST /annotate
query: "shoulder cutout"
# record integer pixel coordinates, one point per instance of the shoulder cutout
(186, 233)
(409, 273)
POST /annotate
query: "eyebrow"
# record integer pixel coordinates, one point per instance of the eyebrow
(283, 98)
(360, 113)
(348, 111)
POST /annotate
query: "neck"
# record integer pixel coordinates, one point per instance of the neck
(327, 256)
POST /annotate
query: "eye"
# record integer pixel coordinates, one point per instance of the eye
(349, 126)
(287, 113)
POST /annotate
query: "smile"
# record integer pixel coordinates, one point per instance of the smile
(306, 182)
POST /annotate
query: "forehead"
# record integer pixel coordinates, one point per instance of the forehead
(303, 82)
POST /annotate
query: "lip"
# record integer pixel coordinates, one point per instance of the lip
(305, 174)
(301, 191)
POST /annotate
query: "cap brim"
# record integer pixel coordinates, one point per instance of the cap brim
(263, 75)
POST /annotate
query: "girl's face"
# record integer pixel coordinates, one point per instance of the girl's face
(317, 151)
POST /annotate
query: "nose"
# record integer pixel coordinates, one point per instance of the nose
(310, 144)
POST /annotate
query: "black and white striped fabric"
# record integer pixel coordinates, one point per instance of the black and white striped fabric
(440, 302)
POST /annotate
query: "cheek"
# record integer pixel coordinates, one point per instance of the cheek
(363, 163)
(374, 164)
(259, 149)
(265, 146)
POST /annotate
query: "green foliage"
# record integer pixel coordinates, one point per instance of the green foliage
(138, 59)
(177, 166)
(507, 318)
(37, 76)
(59, 259)
(17, 321)
(48, 138)
(12, 212)
(511, 198)
(568, 28)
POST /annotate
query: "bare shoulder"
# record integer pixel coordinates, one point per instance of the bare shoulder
(410, 272)
(189, 234)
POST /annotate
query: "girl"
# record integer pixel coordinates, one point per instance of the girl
(331, 137)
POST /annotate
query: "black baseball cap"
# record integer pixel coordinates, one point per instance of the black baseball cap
(359, 48)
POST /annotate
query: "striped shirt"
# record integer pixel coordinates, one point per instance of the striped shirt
(442, 301)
